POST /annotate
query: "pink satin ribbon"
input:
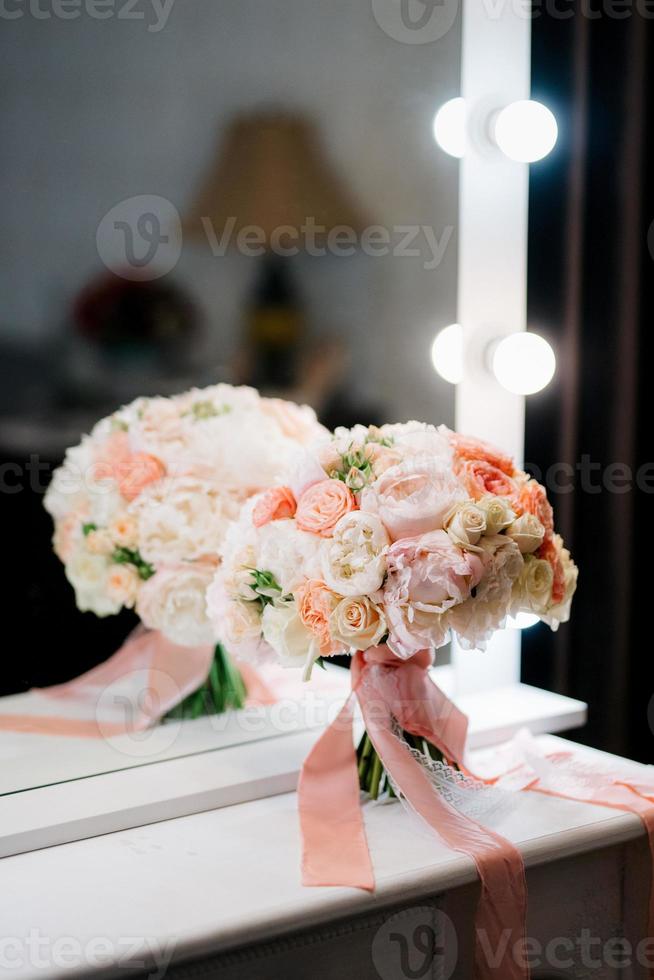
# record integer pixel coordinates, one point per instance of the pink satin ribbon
(335, 850)
(586, 783)
(171, 673)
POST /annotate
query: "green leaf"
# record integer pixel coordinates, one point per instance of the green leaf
(87, 528)
(207, 410)
(125, 556)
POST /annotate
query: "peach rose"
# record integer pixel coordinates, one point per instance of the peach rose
(138, 471)
(480, 478)
(321, 507)
(316, 603)
(551, 553)
(474, 449)
(532, 499)
(274, 505)
(132, 472)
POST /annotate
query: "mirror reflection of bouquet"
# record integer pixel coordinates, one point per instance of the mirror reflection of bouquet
(383, 543)
(142, 504)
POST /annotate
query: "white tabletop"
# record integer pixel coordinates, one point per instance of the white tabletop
(196, 885)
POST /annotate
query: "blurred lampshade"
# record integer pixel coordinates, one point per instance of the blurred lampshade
(271, 172)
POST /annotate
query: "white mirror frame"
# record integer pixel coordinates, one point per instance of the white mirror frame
(492, 270)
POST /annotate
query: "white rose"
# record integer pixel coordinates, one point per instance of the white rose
(357, 623)
(88, 573)
(527, 532)
(291, 555)
(173, 601)
(99, 542)
(499, 513)
(285, 632)
(123, 584)
(466, 526)
(533, 589)
(354, 560)
(181, 519)
(124, 531)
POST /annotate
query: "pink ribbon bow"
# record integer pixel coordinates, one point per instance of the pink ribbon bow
(335, 850)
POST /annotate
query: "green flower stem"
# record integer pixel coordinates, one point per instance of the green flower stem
(223, 690)
(373, 778)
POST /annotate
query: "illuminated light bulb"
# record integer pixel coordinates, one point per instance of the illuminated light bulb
(450, 127)
(524, 363)
(522, 621)
(447, 353)
(525, 131)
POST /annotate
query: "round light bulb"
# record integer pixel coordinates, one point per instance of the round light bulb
(522, 621)
(524, 363)
(450, 127)
(447, 353)
(525, 131)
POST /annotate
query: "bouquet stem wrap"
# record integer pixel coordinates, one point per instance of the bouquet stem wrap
(335, 846)
(131, 691)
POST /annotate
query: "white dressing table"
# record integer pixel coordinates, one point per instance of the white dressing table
(218, 894)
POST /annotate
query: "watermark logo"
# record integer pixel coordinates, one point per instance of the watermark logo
(153, 13)
(140, 238)
(415, 21)
(416, 944)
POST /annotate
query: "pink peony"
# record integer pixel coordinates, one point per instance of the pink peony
(413, 497)
(321, 507)
(427, 575)
(274, 505)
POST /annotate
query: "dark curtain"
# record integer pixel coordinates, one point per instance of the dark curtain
(590, 293)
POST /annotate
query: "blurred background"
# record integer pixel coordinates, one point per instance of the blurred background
(237, 192)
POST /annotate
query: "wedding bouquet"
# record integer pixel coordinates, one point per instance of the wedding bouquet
(142, 504)
(389, 540)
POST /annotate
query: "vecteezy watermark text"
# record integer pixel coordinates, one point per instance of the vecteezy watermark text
(141, 238)
(311, 238)
(153, 13)
(35, 951)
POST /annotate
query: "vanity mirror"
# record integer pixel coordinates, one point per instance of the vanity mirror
(198, 194)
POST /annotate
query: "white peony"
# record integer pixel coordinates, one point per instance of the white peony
(174, 602)
(291, 555)
(68, 491)
(181, 518)
(354, 560)
(88, 574)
